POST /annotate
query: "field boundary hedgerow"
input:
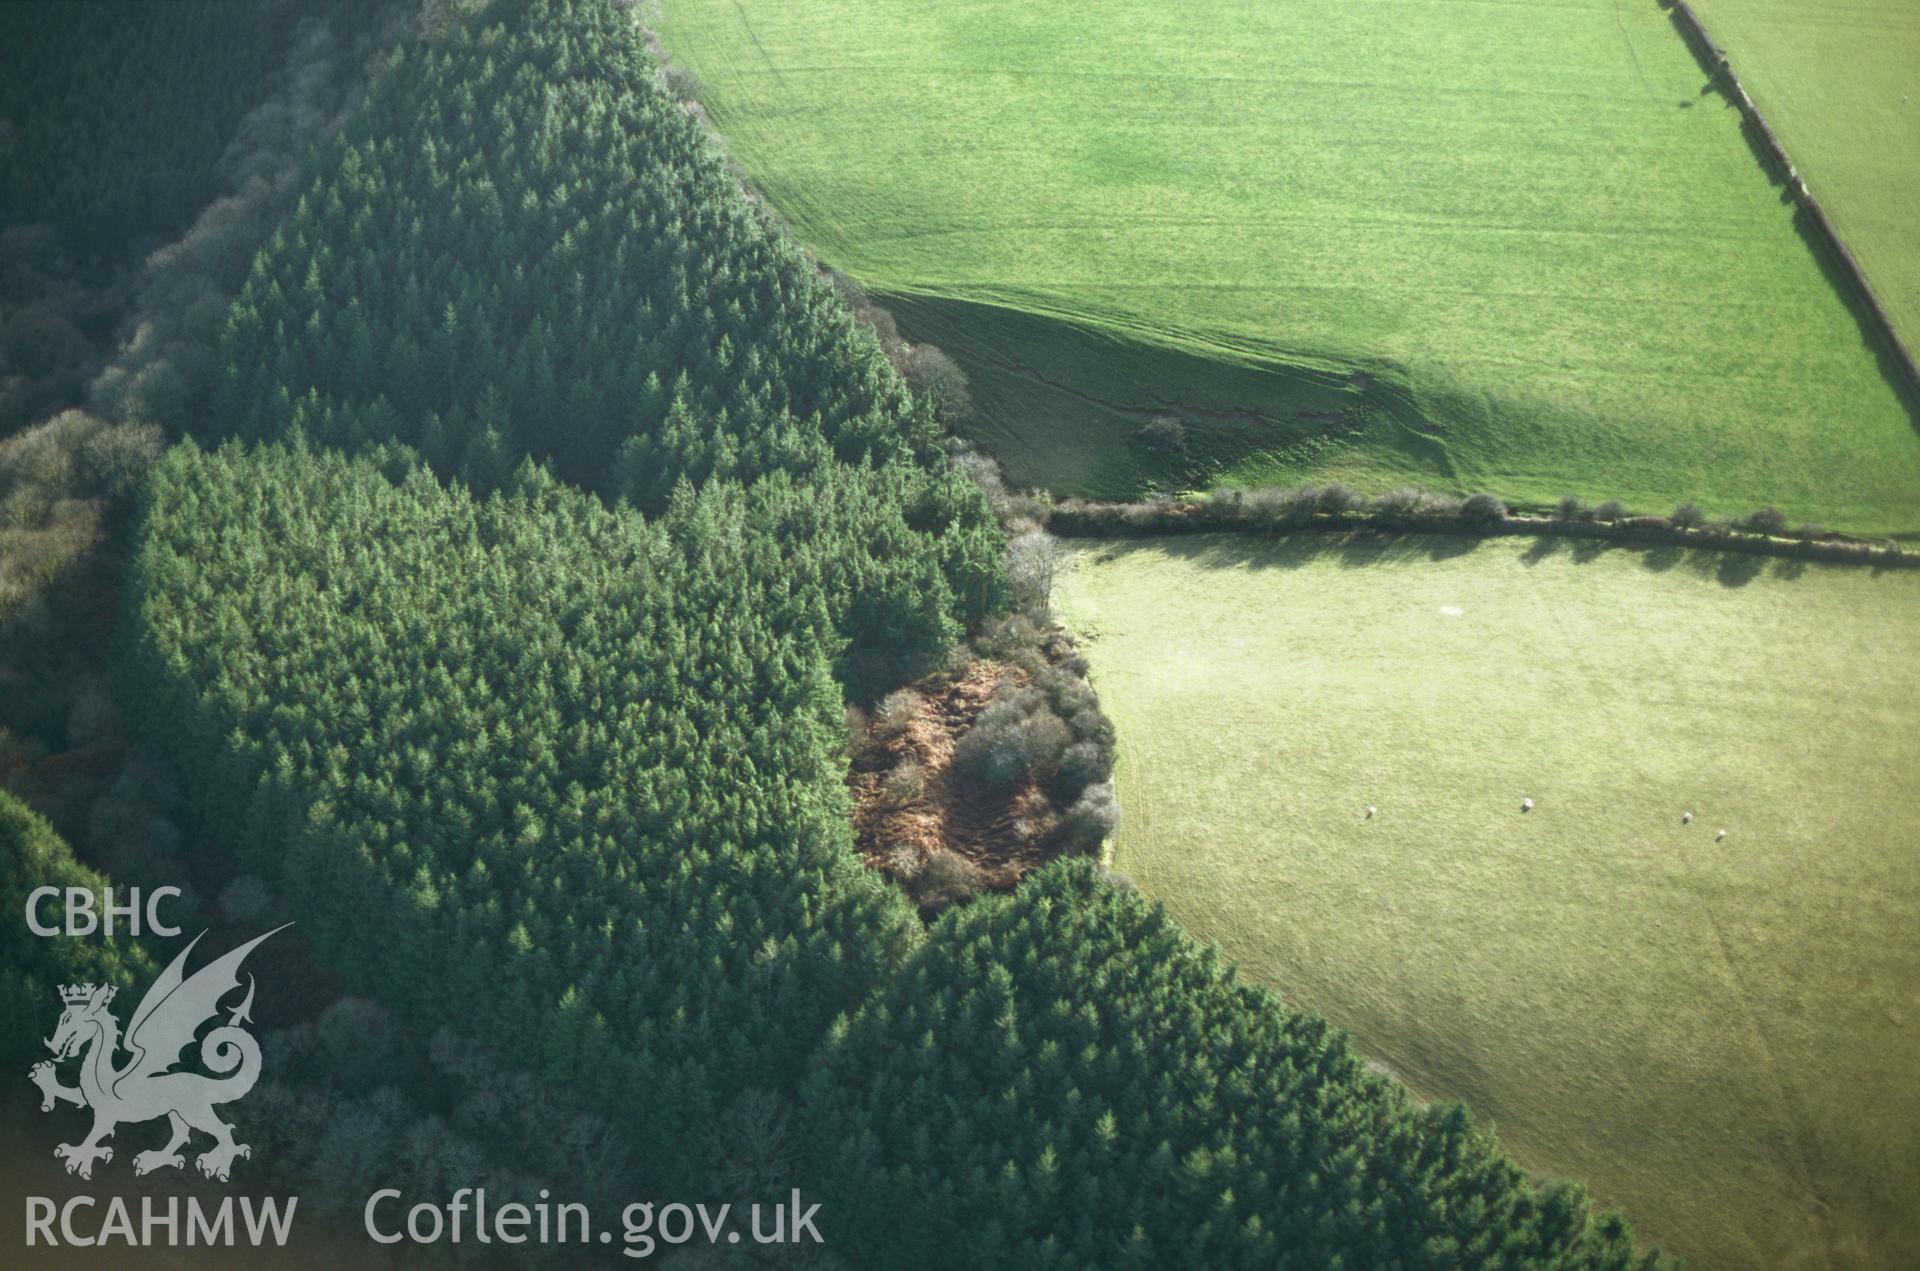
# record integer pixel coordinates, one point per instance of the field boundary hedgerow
(1716, 62)
(1310, 509)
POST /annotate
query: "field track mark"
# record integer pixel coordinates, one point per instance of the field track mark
(1626, 39)
(1809, 1180)
(764, 55)
(1237, 416)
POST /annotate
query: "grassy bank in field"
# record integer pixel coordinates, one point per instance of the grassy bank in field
(1549, 255)
(1839, 81)
(1721, 1037)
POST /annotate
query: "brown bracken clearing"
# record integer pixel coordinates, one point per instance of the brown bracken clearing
(903, 825)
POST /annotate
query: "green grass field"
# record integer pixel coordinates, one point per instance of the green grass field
(1462, 243)
(1723, 1038)
(1839, 81)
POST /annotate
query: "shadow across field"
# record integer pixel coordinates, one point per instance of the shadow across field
(1372, 549)
(1810, 221)
(1729, 569)
(1245, 551)
(1061, 404)
(1876, 335)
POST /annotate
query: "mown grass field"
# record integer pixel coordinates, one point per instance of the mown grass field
(1839, 82)
(1724, 1037)
(1547, 252)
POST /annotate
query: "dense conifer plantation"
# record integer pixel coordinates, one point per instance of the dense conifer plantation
(525, 247)
(32, 967)
(116, 111)
(544, 774)
(1062, 1078)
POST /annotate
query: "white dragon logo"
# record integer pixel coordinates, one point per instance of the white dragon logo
(163, 1025)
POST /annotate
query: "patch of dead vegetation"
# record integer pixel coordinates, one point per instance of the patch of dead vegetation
(938, 832)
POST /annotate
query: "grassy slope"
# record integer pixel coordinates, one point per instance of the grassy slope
(1837, 81)
(1528, 224)
(1720, 1038)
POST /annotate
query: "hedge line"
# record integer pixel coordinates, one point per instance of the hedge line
(1716, 62)
(1297, 510)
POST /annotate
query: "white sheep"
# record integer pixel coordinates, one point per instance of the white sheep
(1370, 811)
(1526, 805)
(1722, 834)
(1686, 818)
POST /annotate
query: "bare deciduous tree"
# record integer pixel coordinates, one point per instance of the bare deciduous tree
(1033, 563)
(935, 376)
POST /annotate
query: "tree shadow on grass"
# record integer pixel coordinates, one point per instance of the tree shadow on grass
(1371, 548)
(1588, 550)
(1737, 569)
(1581, 551)
(1663, 558)
(1358, 550)
(1541, 549)
(1728, 568)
